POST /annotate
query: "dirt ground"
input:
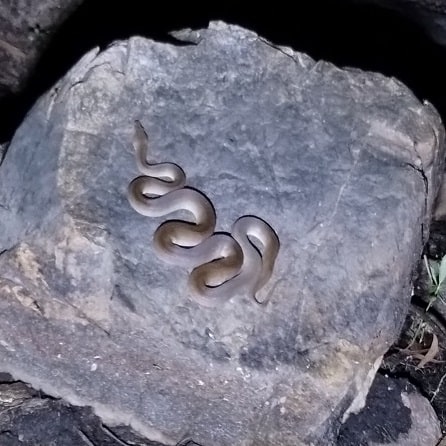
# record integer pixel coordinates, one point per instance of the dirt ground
(419, 355)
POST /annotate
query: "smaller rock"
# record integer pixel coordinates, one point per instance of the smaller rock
(395, 415)
(25, 31)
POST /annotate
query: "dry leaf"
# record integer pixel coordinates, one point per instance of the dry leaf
(431, 353)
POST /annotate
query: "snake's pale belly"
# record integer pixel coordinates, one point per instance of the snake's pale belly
(222, 265)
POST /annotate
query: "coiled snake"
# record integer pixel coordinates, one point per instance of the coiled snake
(223, 265)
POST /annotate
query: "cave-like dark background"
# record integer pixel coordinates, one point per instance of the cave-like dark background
(347, 33)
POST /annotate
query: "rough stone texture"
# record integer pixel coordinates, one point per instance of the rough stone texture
(343, 164)
(395, 414)
(27, 418)
(25, 29)
(440, 202)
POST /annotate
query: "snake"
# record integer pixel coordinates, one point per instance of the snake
(222, 265)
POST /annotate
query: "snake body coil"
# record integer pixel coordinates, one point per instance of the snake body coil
(222, 265)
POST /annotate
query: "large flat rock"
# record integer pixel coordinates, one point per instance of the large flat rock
(343, 164)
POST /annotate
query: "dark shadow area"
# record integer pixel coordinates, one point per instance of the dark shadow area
(35, 419)
(342, 32)
(383, 419)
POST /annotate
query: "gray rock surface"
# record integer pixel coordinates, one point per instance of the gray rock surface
(440, 202)
(343, 164)
(25, 29)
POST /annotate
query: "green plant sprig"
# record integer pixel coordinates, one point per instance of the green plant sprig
(437, 279)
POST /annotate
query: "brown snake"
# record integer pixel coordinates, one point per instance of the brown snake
(223, 265)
